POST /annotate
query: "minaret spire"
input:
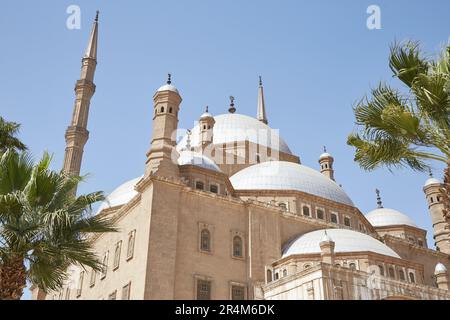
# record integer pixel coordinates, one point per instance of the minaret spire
(261, 113)
(77, 133)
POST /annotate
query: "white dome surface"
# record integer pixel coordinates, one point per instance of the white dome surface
(345, 241)
(282, 175)
(440, 268)
(197, 159)
(382, 217)
(325, 155)
(231, 128)
(431, 181)
(206, 115)
(121, 195)
(168, 87)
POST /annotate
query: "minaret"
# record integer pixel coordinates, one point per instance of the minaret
(442, 277)
(441, 230)
(77, 133)
(261, 113)
(206, 124)
(327, 246)
(162, 156)
(326, 164)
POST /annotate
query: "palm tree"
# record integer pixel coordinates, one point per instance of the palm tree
(8, 131)
(409, 127)
(44, 228)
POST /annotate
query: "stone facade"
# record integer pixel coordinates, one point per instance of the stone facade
(186, 232)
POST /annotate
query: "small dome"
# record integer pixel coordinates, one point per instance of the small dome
(325, 155)
(121, 195)
(231, 128)
(382, 217)
(345, 241)
(197, 159)
(168, 87)
(289, 176)
(440, 268)
(431, 181)
(206, 115)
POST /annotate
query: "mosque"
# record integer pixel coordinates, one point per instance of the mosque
(230, 212)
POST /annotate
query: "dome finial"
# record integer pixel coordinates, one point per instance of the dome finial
(325, 149)
(96, 16)
(232, 109)
(207, 109)
(430, 173)
(169, 78)
(379, 202)
(260, 81)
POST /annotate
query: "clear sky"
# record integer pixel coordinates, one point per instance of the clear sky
(317, 58)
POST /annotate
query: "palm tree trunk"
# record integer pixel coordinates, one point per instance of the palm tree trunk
(446, 193)
(12, 278)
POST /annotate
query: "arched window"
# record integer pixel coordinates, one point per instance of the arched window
(401, 275)
(269, 276)
(162, 109)
(391, 273)
(306, 211)
(381, 270)
(320, 214)
(205, 240)
(276, 276)
(334, 218)
(283, 206)
(337, 265)
(412, 279)
(306, 266)
(352, 266)
(170, 110)
(204, 127)
(237, 247)
(284, 273)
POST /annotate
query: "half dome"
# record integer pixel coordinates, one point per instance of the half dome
(345, 241)
(121, 195)
(282, 175)
(383, 217)
(230, 128)
(197, 159)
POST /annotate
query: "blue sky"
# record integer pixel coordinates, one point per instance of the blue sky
(317, 58)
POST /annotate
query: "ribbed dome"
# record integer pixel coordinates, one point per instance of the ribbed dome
(230, 128)
(382, 217)
(121, 195)
(325, 155)
(345, 241)
(197, 159)
(281, 175)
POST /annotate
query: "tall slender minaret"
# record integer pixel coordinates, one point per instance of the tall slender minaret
(261, 113)
(77, 133)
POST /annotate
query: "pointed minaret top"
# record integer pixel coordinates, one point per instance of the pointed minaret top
(91, 50)
(261, 113)
(379, 202)
(169, 78)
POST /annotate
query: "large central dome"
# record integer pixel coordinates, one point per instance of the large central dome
(281, 175)
(230, 128)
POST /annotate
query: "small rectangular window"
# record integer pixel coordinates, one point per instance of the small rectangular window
(214, 188)
(334, 218)
(347, 221)
(237, 292)
(199, 185)
(203, 290)
(320, 214)
(113, 295)
(130, 245)
(117, 255)
(104, 265)
(80, 284)
(93, 276)
(126, 291)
